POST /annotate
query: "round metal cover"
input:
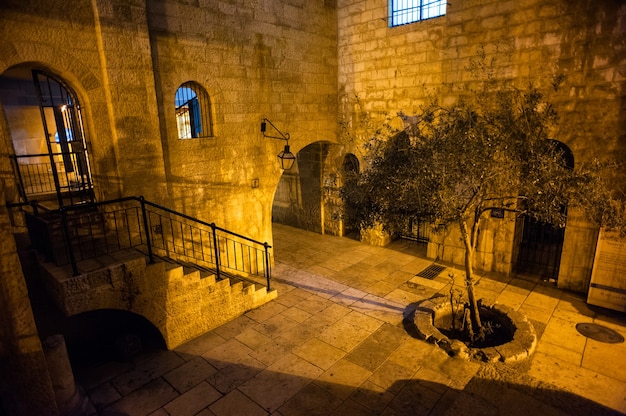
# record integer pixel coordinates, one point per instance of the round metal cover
(599, 333)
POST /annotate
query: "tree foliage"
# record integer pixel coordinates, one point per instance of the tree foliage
(455, 163)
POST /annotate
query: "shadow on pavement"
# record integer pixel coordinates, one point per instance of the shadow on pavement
(156, 381)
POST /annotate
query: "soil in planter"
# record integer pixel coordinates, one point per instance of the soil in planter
(498, 328)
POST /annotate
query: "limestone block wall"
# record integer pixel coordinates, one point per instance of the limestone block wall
(25, 386)
(581, 238)
(384, 70)
(101, 50)
(180, 305)
(271, 59)
(274, 59)
(494, 251)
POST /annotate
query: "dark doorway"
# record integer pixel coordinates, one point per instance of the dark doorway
(540, 243)
(298, 198)
(105, 335)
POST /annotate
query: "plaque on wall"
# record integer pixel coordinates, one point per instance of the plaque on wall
(608, 276)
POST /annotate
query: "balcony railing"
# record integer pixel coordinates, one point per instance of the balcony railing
(36, 173)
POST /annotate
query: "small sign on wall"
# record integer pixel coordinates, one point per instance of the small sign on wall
(497, 212)
(608, 276)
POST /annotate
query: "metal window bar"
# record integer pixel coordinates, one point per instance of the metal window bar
(403, 12)
(193, 111)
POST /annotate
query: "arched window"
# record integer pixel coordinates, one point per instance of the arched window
(193, 111)
(351, 164)
(564, 152)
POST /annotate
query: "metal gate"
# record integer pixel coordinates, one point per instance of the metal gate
(541, 244)
(64, 169)
(540, 249)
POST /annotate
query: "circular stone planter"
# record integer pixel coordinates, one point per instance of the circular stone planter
(521, 346)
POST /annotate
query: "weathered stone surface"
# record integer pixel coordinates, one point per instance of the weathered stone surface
(182, 306)
(433, 57)
(520, 347)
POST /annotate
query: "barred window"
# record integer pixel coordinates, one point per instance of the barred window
(193, 111)
(402, 12)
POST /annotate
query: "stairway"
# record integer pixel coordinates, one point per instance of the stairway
(181, 300)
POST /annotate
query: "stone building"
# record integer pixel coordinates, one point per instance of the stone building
(164, 99)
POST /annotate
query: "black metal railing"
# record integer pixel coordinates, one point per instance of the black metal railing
(36, 172)
(417, 229)
(72, 234)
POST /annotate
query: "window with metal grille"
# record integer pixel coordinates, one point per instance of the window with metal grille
(193, 111)
(402, 12)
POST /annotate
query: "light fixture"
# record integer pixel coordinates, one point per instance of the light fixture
(285, 157)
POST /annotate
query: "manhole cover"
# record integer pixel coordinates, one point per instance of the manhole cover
(431, 271)
(600, 333)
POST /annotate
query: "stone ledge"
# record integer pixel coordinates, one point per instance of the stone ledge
(522, 346)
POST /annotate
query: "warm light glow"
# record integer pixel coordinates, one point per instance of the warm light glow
(287, 159)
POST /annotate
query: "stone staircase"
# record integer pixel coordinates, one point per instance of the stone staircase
(181, 300)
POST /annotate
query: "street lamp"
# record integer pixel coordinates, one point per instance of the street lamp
(285, 157)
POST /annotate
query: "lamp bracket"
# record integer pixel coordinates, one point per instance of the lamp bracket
(283, 136)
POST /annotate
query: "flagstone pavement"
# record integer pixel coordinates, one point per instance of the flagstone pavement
(334, 343)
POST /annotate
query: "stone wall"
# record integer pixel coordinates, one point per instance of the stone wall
(274, 59)
(180, 305)
(385, 70)
(125, 60)
(25, 386)
(271, 59)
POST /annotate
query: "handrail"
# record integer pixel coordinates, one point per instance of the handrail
(83, 228)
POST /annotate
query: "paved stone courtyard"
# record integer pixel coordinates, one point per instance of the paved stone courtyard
(334, 343)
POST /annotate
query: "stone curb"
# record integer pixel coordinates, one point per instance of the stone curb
(522, 346)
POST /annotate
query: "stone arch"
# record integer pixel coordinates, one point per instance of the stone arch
(109, 334)
(350, 164)
(67, 67)
(44, 56)
(45, 125)
(307, 195)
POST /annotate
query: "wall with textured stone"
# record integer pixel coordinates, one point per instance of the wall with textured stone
(274, 59)
(385, 70)
(125, 61)
(263, 59)
(181, 305)
(25, 385)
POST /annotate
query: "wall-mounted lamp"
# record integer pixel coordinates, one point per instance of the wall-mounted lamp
(285, 157)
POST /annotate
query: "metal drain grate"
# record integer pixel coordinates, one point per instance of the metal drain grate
(600, 333)
(431, 271)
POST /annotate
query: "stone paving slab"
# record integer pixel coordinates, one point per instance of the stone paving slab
(334, 343)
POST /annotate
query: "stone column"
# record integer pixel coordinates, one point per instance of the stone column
(69, 397)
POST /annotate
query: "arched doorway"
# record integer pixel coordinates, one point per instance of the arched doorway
(45, 122)
(540, 244)
(298, 197)
(105, 335)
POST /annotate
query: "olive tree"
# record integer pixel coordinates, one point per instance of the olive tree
(456, 163)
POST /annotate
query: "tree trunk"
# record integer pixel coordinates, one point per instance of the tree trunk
(469, 279)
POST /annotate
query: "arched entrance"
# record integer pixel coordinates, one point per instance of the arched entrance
(540, 244)
(44, 118)
(105, 335)
(297, 201)
(308, 195)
